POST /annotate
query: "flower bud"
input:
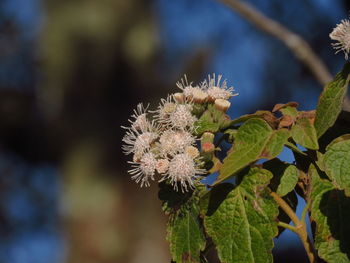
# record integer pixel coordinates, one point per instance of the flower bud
(179, 97)
(208, 147)
(222, 104)
(207, 137)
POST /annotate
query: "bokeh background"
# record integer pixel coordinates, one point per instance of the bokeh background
(70, 74)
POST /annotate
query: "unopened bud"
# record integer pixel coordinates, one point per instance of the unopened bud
(179, 97)
(208, 147)
(222, 105)
(207, 137)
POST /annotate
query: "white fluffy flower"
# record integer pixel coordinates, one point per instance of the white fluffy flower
(139, 121)
(175, 141)
(217, 90)
(138, 143)
(140, 135)
(341, 34)
(144, 170)
(165, 109)
(185, 86)
(183, 170)
(173, 115)
(182, 117)
(192, 151)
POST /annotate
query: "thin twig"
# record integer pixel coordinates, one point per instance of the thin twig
(299, 47)
(287, 226)
(286, 208)
(300, 226)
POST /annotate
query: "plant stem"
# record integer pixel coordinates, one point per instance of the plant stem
(296, 44)
(287, 226)
(304, 213)
(300, 226)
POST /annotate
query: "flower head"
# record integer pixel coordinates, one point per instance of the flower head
(175, 141)
(217, 90)
(174, 115)
(139, 121)
(144, 170)
(165, 109)
(138, 143)
(192, 151)
(186, 87)
(182, 117)
(183, 169)
(341, 34)
(166, 144)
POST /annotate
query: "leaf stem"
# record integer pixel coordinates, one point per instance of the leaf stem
(300, 226)
(287, 226)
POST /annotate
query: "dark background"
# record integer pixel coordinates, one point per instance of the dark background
(70, 74)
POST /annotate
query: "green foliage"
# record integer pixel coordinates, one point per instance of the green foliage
(263, 114)
(336, 163)
(340, 127)
(289, 111)
(239, 220)
(243, 224)
(254, 140)
(285, 176)
(330, 101)
(330, 210)
(304, 133)
(185, 234)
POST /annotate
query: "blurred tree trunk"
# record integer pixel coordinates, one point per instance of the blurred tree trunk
(96, 56)
(108, 219)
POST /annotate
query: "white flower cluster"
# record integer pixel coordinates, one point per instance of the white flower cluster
(341, 34)
(166, 146)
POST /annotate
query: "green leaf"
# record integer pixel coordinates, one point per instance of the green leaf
(304, 133)
(294, 149)
(283, 182)
(344, 137)
(231, 134)
(275, 144)
(340, 127)
(211, 201)
(285, 176)
(330, 210)
(255, 139)
(289, 111)
(288, 180)
(331, 100)
(244, 224)
(336, 163)
(259, 114)
(185, 235)
(288, 105)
